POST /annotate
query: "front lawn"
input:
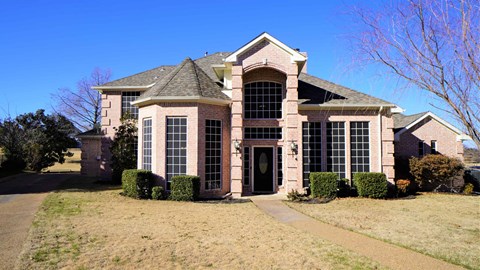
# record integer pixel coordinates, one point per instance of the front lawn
(441, 225)
(88, 226)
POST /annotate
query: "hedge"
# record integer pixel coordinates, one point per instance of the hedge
(323, 184)
(137, 183)
(185, 188)
(371, 185)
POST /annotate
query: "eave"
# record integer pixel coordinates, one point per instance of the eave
(321, 107)
(129, 87)
(172, 99)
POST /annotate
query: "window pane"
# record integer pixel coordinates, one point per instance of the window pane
(246, 166)
(147, 144)
(262, 100)
(263, 133)
(128, 97)
(359, 145)
(213, 154)
(176, 155)
(312, 149)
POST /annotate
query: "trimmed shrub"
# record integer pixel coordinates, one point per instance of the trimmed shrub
(323, 184)
(371, 185)
(434, 170)
(185, 188)
(157, 193)
(403, 187)
(137, 183)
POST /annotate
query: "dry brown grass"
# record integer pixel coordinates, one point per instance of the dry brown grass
(443, 226)
(80, 229)
(71, 164)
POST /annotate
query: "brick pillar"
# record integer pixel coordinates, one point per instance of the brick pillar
(237, 131)
(291, 129)
(388, 148)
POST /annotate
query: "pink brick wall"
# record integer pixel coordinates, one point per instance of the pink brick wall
(196, 115)
(91, 152)
(265, 62)
(222, 113)
(377, 162)
(427, 131)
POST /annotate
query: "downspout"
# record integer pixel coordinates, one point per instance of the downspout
(380, 144)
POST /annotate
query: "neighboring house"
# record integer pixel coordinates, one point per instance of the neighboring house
(422, 134)
(251, 121)
(426, 133)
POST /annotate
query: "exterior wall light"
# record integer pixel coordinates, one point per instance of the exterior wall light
(294, 147)
(236, 145)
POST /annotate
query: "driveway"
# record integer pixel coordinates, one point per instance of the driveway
(20, 197)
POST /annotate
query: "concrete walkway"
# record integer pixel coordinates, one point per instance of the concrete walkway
(20, 197)
(389, 255)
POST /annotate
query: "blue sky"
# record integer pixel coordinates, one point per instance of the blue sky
(46, 45)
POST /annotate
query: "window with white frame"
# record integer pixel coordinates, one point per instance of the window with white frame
(176, 155)
(128, 97)
(336, 148)
(360, 147)
(213, 154)
(312, 149)
(147, 144)
(263, 100)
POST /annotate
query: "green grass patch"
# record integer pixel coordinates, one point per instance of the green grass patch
(56, 205)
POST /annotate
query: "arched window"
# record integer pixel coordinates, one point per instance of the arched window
(263, 100)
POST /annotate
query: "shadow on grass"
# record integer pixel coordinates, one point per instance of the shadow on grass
(81, 183)
(223, 201)
(31, 183)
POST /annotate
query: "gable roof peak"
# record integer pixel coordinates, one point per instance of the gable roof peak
(295, 55)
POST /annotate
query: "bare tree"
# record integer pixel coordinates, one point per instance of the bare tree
(432, 44)
(82, 106)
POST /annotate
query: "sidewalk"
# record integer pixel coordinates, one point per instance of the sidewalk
(389, 255)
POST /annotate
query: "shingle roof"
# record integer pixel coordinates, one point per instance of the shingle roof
(313, 90)
(401, 120)
(91, 132)
(205, 63)
(143, 78)
(150, 76)
(186, 80)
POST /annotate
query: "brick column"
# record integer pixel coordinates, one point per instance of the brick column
(237, 131)
(291, 129)
(388, 161)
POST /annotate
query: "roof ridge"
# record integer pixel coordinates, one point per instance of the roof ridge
(197, 81)
(173, 74)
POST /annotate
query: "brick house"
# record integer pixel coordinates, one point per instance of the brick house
(424, 133)
(251, 121)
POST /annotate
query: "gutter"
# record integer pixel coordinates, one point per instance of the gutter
(133, 87)
(343, 106)
(173, 99)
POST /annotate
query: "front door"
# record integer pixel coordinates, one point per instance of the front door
(263, 170)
